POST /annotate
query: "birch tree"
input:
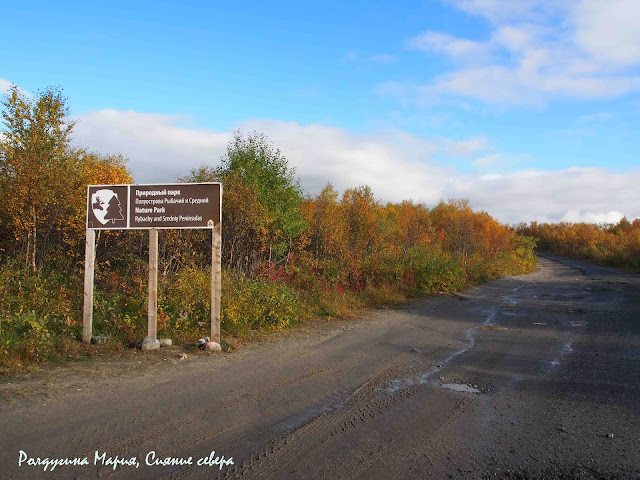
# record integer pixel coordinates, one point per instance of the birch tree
(34, 160)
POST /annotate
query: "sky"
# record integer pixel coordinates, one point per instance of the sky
(528, 108)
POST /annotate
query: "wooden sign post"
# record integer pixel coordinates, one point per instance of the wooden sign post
(89, 264)
(152, 207)
(216, 281)
(152, 324)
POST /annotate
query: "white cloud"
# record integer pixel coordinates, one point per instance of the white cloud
(526, 85)
(159, 148)
(538, 50)
(516, 38)
(499, 11)
(580, 194)
(392, 163)
(465, 148)
(497, 162)
(610, 31)
(458, 48)
(397, 165)
(5, 85)
(576, 216)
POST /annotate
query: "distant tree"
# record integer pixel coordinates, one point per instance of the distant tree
(34, 160)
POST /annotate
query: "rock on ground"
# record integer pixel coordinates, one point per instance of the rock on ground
(150, 343)
(212, 347)
(99, 339)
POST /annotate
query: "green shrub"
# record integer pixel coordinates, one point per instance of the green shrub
(184, 304)
(254, 304)
(434, 271)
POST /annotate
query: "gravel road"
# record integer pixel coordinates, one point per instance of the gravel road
(536, 376)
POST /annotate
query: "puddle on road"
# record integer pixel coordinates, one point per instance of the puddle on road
(539, 323)
(566, 349)
(460, 387)
(492, 313)
(423, 378)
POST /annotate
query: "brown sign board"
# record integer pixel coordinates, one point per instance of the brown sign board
(176, 205)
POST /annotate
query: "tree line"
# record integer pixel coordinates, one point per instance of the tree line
(615, 244)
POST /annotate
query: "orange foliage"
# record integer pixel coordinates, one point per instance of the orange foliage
(612, 244)
(356, 242)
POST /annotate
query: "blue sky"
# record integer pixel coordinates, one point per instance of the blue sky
(529, 108)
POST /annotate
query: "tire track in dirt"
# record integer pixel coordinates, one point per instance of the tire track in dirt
(366, 402)
(369, 401)
(239, 432)
(196, 436)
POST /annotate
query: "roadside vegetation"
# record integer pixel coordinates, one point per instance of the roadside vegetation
(617, 245)
(287, 255)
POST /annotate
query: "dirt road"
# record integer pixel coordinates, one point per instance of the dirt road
(548, 365)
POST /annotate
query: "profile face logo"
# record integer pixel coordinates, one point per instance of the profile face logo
(108, 207)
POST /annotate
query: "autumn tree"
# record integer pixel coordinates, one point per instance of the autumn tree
(34, 161)
(263, 168)
(324, 216)
(361, 212)
(261, 202)
(327, 252)
(412, 224)
(460, 227)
